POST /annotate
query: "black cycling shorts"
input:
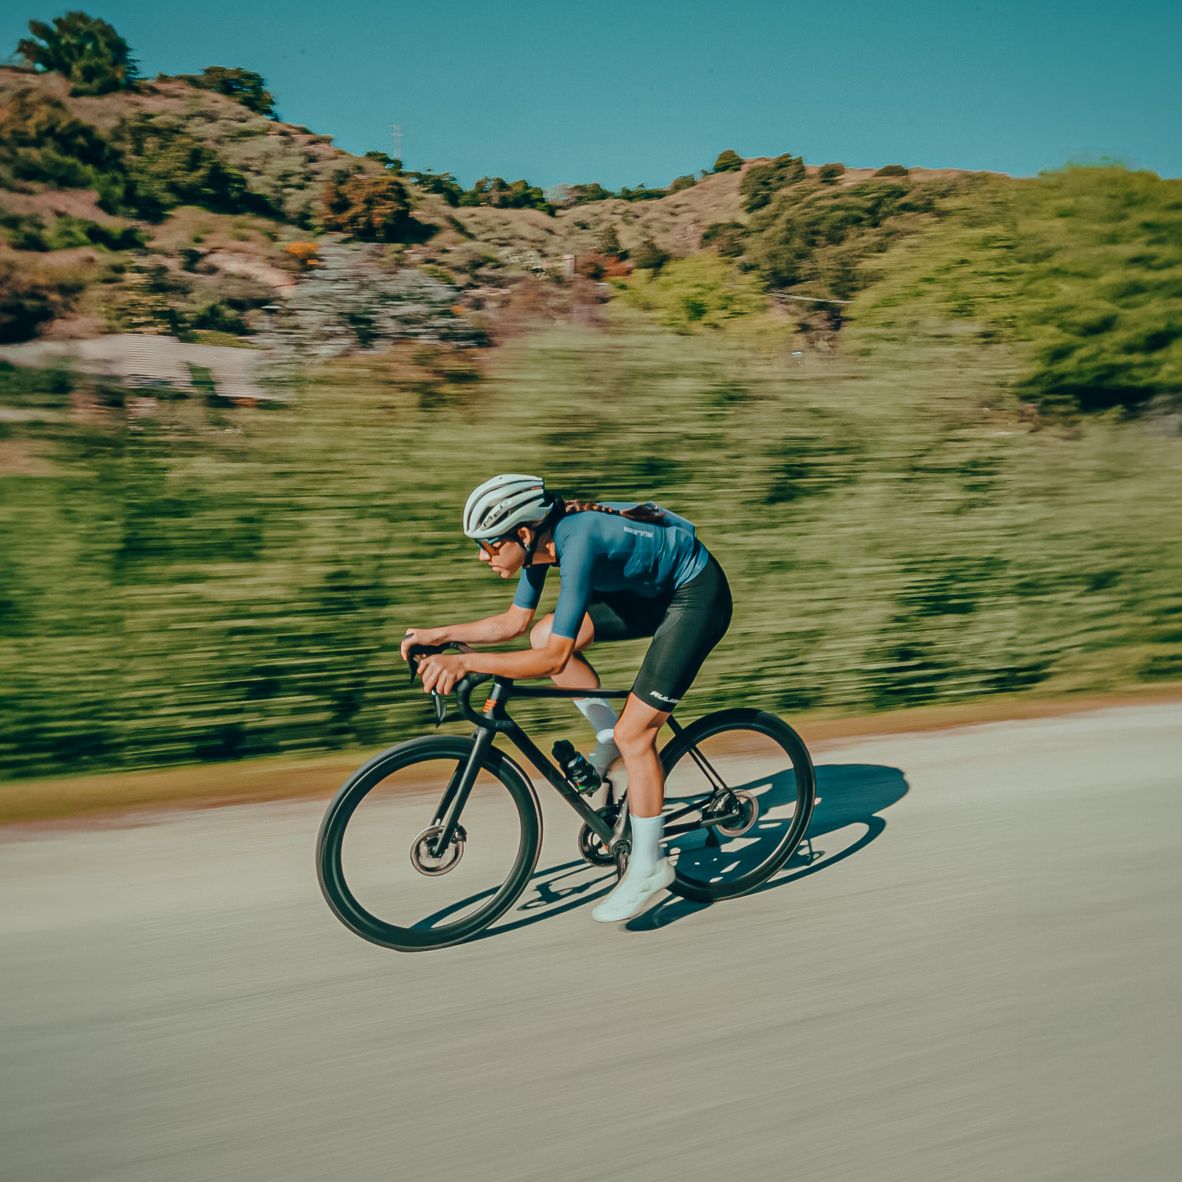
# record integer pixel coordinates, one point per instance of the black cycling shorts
(684, 626)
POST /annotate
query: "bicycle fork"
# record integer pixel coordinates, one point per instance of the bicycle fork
(455, 796)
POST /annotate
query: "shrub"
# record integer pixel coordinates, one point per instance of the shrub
(640, 193)
(29, 297)
(307, 254)
(243, 86)
(41, 141)
(609, 242)
(31, 233)
(442, 183)
(682, 182)
(1100, 290)
(584, 194)
(828, 174)
(725, 237)
(649, 256)
(728, 161)
(699, 291)
(502, 194)
(762, 182)
(372, 207)
(85, 49)
(893, 170)
(167, 166)
(819, 233)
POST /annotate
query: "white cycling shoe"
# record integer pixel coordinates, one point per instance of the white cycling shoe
(633, 893)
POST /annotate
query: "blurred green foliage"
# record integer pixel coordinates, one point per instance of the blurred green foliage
(1082, 269)
(700, 291)
(183, 581)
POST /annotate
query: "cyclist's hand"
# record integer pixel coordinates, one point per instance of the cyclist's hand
(415, 636)
(441, 671)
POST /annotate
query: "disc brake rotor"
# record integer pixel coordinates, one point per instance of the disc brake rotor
(748, 807)
(425, 862)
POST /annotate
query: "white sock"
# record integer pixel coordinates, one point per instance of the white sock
(599, 713)
(646, 843)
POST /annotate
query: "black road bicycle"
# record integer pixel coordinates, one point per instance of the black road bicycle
(437, 837)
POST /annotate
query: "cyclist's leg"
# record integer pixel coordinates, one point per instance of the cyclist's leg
(697, 618)
(636, 737)
(579, 672)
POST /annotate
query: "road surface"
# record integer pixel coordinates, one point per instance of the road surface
(977, 977)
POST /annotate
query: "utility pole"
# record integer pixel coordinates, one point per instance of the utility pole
(396, 132)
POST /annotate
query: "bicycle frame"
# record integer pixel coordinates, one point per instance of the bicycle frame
(494, 719)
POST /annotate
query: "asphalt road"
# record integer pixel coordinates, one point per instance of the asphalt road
(977, 977)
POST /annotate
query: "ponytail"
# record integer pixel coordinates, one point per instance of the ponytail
(649, 512)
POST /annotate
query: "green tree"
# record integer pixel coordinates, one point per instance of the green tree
(85, 49)
(728, 161)
(369, 206)
(243, 86)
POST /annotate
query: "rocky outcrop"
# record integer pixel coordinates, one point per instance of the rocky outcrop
(355, 298)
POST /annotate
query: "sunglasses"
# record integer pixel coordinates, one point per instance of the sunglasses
(492, 546)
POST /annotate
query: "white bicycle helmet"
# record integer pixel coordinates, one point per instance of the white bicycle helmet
(498, 506)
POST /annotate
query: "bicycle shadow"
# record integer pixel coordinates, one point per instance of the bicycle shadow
(847, 795)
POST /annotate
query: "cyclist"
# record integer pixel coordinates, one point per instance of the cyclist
(626, 570)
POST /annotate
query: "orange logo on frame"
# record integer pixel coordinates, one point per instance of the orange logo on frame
(488, 705)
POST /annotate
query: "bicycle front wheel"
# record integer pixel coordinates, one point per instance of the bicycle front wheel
(382, 870)
(739, 794)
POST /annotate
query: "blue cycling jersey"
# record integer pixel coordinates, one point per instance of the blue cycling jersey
(603, 552)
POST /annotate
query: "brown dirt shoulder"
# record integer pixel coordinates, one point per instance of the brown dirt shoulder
(123, 798)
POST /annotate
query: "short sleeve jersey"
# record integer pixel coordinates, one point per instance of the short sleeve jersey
(604, 552)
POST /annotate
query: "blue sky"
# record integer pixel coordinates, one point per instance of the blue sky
(640, 91)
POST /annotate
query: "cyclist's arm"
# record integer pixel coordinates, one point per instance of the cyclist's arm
(534, 662)
(578, 560)
(508, 625)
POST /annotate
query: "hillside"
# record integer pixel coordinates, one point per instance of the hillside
(171, 208)
(928, 419)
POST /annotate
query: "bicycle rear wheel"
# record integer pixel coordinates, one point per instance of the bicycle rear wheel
(381, 870)
(739, 794)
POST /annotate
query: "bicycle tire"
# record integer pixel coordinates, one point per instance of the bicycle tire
(779, 732)
(330, 840)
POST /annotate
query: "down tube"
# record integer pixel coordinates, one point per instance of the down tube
(537, 757)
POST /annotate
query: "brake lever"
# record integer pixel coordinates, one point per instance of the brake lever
(438, 701)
